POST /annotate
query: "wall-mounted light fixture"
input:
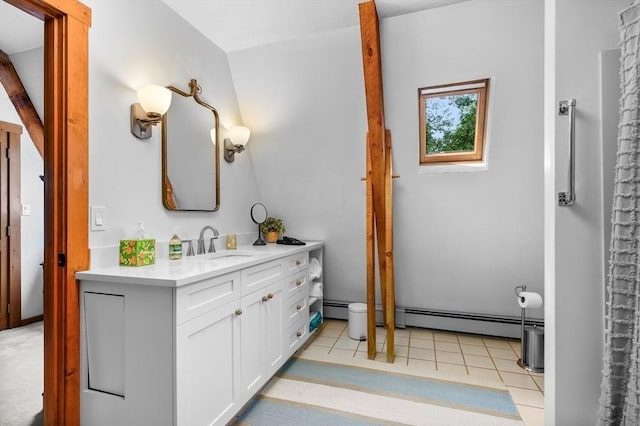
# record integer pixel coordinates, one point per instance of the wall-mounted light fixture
(154, 103)
(237, 138)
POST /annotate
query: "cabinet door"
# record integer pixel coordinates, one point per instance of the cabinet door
(207, 362)
(274, 328)
(252, 343)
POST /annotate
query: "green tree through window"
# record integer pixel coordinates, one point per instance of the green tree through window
(451, 123)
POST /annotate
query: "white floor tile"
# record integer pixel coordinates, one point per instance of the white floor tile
(421, 333)
(479, 361)
(455, 369)
(503, 353)
(419, 366)
(447, 346)
(496, 343)
(449, 357)
(441, 336)
(518, 380)
(471, 340)
(485, 373)
(424, 354)
(421, 343)
(528, 397)
(346, 344)
(508, 365)
(531, 416)
(473, 349)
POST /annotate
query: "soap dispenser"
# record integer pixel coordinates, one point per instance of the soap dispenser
(175, 248)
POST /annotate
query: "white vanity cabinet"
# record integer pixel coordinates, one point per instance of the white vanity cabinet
(193, 353)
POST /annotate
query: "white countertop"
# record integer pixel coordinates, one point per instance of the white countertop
(176, 273)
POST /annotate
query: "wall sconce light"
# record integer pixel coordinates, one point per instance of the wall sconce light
(237, 138)
(154, 103)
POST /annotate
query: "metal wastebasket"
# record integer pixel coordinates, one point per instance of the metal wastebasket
(533, 349)
(358, 321)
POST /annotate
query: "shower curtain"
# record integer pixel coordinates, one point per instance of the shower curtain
(620, 393)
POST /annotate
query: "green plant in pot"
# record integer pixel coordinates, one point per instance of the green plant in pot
(272, 227)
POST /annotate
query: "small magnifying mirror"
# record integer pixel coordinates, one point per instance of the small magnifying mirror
(259, 215)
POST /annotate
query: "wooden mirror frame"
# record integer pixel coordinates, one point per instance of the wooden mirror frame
(66, 193)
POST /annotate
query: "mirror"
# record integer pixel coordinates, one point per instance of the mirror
(190, 153)
(259, 215)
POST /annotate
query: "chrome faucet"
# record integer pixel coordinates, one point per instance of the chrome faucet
(212, 246)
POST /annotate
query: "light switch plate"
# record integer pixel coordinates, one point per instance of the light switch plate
(98, 218)
(26, 210)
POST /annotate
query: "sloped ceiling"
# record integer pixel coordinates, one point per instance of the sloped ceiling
(241, 24)
(233, 24)
(19, 31)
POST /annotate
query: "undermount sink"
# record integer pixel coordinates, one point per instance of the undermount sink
(226, 255)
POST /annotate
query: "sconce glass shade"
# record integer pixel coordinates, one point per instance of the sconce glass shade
(155, 100)
(239, 135)
(213, 136)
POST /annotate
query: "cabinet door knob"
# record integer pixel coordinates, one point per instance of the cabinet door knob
(264, 298)
(270, 295)
(238, 311)
(298, 262)
(299, 282)
(299, 333)
(298, 307)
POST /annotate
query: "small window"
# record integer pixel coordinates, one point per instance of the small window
(452, 122)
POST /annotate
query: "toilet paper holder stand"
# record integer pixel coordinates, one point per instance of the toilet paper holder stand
(519, 289)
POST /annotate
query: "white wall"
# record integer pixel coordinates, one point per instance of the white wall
(29, 66)
(575, 272)
(138, 42)
(463, 240)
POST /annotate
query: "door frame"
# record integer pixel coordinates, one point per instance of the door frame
(10, 229)
(66, 193)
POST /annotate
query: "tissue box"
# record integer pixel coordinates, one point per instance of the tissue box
(137, 252)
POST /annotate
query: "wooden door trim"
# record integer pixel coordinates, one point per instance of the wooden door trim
(66, 248)
(11, 256)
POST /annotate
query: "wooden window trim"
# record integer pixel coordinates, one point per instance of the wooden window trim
(475, 156)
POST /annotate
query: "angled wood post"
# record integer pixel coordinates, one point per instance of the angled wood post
(19, 97)
(379, 175)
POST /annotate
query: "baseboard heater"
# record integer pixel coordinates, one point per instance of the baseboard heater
(468, 322)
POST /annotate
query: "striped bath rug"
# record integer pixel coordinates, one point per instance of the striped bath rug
(308, 392)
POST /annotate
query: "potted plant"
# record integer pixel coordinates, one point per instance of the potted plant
(272, 227)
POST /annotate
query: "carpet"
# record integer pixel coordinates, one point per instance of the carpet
(21, 375)
(309, 392)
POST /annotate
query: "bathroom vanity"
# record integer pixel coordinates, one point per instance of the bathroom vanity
(190, 342)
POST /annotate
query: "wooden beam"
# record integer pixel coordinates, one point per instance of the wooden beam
(378, 175)
(371, 269)
(22, 102)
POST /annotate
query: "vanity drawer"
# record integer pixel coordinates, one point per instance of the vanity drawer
(296, 308)
(259, 276)
(296, 284)
(295, 337)
(198, 298)
(296, 263)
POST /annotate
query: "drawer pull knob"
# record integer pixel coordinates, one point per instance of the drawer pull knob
(298, 307)
(265, 298)
(299, 283)
(270, 295)
(299, 333)
(238, 311)
(298, 262)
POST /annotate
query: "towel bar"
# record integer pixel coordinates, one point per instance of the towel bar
(568, 108)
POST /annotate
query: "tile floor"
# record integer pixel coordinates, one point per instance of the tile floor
(459, 356)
